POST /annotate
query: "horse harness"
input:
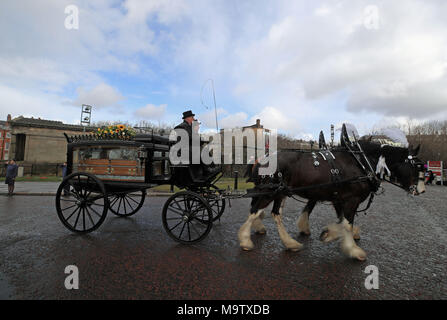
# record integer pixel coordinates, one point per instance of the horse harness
(415, 163)
(325, 154)
(280, 187)
(329, 157)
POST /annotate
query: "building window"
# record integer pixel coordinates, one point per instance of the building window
(8, 134)
(20, 147)
(7, 146)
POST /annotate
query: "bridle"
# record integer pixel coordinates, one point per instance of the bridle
(415, 163)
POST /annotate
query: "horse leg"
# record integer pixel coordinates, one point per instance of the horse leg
(333, 231)
(257, 208)
(356, 232)
(348, 245)
(258, 226)
(278, 206)
(303, 220)
(355, 229)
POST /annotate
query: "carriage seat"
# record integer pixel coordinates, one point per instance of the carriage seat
(194, 175)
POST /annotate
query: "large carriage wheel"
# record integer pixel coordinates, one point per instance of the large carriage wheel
(125, 204)
(215, 201)
(187, 218)
(81, 202)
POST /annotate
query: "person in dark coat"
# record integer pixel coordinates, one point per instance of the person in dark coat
(64, 174)
(187, 125)
(190, 124)
(11, 174)
(431, 177)
(188, 119)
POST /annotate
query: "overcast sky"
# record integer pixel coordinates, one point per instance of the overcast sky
(299, 66)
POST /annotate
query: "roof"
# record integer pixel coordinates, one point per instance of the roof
(42, 123)
(257, 125)
(254, 126)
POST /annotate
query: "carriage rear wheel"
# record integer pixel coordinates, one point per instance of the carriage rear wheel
(187, 217)
(81, 202)
(125, 204)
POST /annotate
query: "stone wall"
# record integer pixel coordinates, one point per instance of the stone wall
(42, 145)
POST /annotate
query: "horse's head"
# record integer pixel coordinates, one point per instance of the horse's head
(405, 167)
(399, 163)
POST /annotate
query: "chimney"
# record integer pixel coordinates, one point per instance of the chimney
(8, 118)
(258, 123)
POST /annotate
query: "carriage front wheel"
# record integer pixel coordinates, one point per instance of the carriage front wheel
(81, 202)
(187, 217)
(125, 204)
(213, 195)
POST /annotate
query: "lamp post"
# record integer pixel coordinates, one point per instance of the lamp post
(332, 135)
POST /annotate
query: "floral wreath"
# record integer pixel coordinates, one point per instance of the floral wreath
(119, 131)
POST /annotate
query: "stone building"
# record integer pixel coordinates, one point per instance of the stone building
(41, 142)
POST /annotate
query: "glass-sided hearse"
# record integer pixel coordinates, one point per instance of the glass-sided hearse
(105, 174)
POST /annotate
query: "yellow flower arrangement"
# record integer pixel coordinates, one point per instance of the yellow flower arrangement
(120, 131)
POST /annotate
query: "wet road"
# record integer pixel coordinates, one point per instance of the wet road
(405, 237)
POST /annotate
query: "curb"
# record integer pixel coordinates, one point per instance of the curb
(149, 194)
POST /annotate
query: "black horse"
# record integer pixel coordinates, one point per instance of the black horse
(337, 176)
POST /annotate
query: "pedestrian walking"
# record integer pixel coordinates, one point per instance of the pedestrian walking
(64, 174)
(11, 174)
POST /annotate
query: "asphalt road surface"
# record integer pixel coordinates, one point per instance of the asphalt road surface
(405, 237)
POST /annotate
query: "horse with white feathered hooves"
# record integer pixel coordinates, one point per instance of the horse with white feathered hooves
(345, 176)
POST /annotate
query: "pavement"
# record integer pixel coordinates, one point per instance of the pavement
(133, 258)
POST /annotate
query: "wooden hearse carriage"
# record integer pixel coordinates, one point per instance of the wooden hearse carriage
(105, 174)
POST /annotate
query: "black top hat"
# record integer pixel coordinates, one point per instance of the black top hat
(187, 114)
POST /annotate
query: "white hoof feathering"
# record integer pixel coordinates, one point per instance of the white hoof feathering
(291, 244)
(356, 233)
(245, 232)
(303, 223)
(349, 247)
(355, 230)
(331, 233)
(258, 226)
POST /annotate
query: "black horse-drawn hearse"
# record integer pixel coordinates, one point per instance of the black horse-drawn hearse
(105, 174)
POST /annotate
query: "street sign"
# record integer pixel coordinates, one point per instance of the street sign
(86, 114)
